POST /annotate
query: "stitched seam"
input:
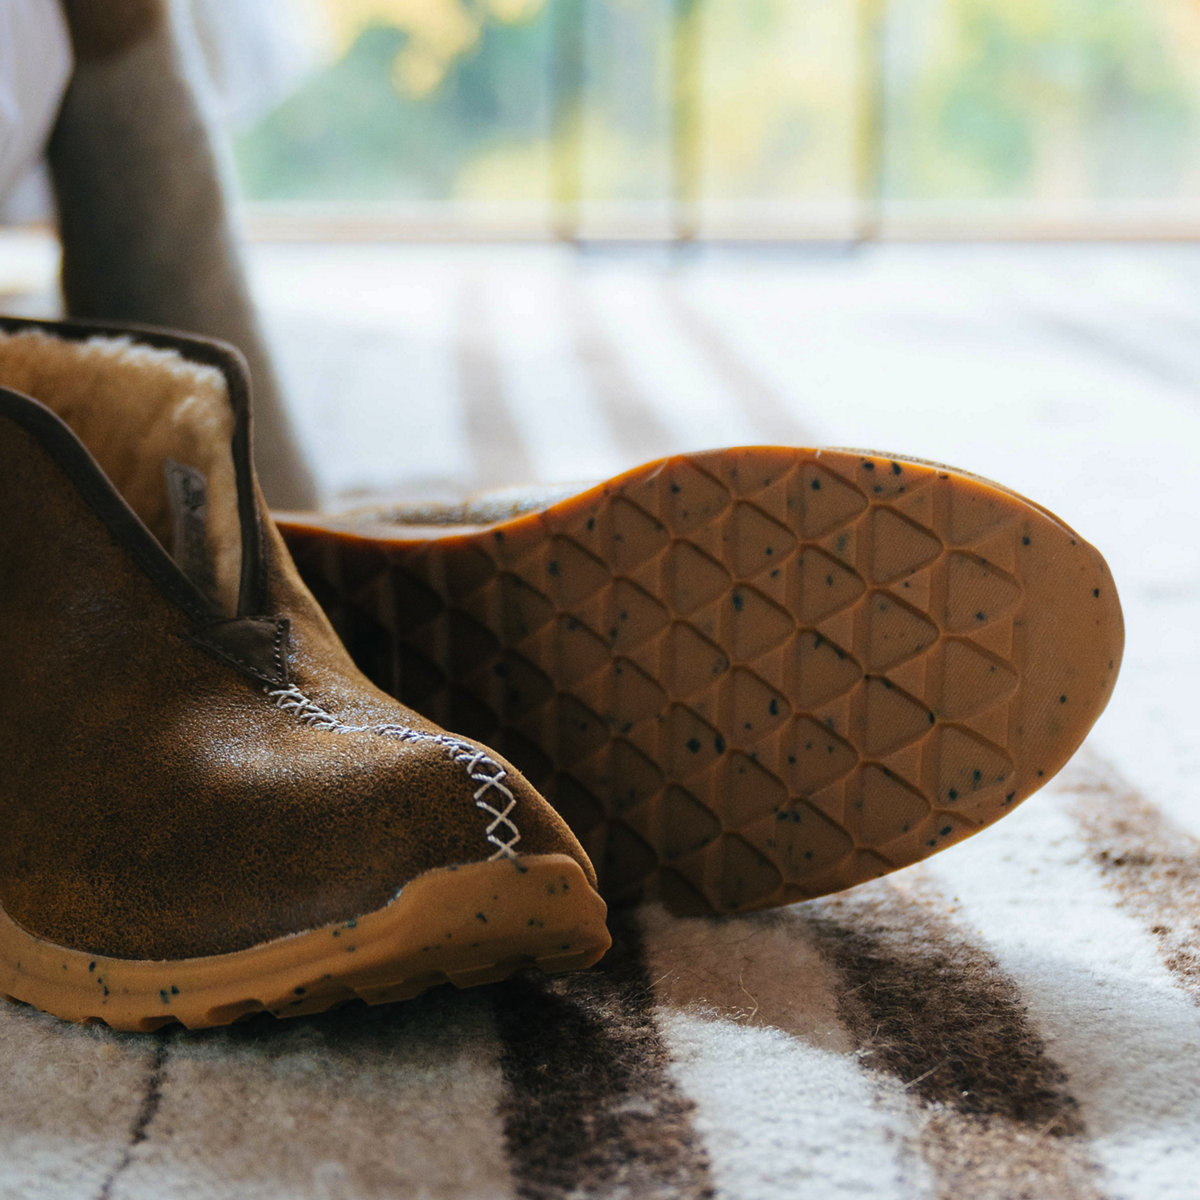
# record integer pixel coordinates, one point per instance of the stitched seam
(281, 627)
(492, 795)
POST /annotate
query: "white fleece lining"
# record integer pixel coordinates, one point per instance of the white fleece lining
(134, 406)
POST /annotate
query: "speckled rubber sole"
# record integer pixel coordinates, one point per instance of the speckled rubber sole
(750, 676)
(466, 925)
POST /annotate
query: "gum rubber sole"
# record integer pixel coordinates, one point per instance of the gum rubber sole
(466, 925)
(750, 676)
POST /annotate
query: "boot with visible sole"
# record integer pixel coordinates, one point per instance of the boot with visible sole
(207, 810)
(744, 677)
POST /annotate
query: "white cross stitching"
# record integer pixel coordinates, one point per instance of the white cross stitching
(492, 795)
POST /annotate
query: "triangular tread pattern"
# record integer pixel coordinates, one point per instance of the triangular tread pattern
(744, 676)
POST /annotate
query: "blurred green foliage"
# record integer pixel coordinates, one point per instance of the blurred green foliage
(1052, 98)
(351, 133)
(787, 101)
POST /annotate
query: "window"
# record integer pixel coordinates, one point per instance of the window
(770, 119)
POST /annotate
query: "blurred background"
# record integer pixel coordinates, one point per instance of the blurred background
(501, 240)
(736, 119)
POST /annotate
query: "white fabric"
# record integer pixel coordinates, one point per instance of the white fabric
(35, 65)
(244, 56)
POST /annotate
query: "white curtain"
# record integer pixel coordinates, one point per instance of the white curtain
(242, 56)
(35, 64)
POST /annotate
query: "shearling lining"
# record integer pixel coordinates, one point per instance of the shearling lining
(135, 407)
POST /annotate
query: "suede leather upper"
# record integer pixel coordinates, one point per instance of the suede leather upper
(157, 801)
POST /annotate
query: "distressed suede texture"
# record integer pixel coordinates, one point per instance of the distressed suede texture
(156, 802)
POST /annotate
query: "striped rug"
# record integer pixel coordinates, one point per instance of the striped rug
(1019, 1017)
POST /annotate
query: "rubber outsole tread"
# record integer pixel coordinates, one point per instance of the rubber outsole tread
(467, 925)
(750, 676)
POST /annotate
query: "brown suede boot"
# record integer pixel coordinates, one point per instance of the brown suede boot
(745, 677)
(207, 810)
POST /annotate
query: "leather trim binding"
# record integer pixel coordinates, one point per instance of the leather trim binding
(255, 646)
(228, 360)
(127, 529)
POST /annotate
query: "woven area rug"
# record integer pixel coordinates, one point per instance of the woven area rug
(1018, 1017)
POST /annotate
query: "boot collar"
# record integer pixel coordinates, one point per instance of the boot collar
(250, 641)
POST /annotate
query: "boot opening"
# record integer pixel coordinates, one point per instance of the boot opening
(161, 429)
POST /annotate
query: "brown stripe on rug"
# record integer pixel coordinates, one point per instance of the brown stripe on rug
(637, 429)
(935, 1011)
(759, 403)
(749, 1012)
(1151, 865)
(498, 451)
(590, 1109)
(147, 1111)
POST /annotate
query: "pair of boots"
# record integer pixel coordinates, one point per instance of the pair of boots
(743, 678)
